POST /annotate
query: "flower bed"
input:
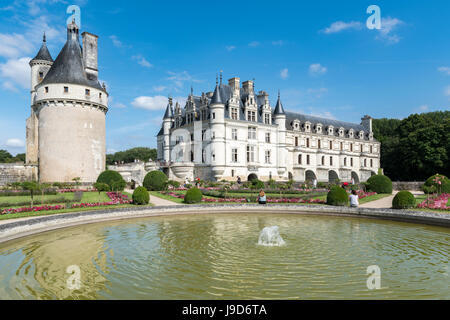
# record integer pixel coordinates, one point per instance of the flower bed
(75, 190)
(361, 194)
(116, 198)
(244, 200)
(437, 203)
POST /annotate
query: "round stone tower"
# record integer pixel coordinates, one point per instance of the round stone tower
(70, 107)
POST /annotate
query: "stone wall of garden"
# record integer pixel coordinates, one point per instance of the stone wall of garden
(407, 185)
(17, 172)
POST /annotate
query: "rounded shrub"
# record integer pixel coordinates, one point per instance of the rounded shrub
(101, 187)
(155, 181)
(193, 195)
(403, 200)
(337, 196)
(433, 181)
(141, 196)
(113, 179)
(379, 184)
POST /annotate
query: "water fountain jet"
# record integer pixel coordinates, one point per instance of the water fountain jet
(270, 236)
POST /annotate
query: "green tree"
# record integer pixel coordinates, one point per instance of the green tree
(5, 156)
(31, 186)
(128, 156)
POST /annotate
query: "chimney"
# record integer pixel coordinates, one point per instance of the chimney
(234, 83)
(366, 122)
(90, 55)
(248, 86)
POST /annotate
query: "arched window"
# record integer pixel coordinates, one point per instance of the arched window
(323, 160)
(299, 159)
(331, 161)
(365, 162)
(345, 162)
(307, 142)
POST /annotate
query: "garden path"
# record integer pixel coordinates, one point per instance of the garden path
(385, 203)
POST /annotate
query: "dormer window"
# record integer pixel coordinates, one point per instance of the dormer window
(330, 130)
(351, 133)
(307, 126)
(361, 135)
(66, 89)
(41, 75)
(318, 128)
(341, 132)
(371, 136)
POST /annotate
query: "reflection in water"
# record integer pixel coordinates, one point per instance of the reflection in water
(217, 257)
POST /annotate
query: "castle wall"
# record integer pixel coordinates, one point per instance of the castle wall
(71, 142)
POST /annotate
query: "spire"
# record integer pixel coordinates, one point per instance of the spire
(169, 111)
(216, 99)
(221, 77)
(43, 54)
(279, 107)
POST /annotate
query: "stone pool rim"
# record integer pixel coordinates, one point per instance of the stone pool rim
(30, 226)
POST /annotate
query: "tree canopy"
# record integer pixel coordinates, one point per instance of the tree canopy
(6, 157)
(416, 147)
(128, 156)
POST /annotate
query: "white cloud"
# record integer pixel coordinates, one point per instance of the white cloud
(230, 48)
(16, 71)
(159, 88)
(142, 61)
(339, 26)
(444, 70)
(317, 69)
(150, 103)
(387, 26)
(423, 108)
(254, 44)
(15, 143)
(14, 45)
(284, 74)
(178, 78)
(116, 42)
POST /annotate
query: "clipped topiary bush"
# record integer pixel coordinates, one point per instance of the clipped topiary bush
(337, 196)
(403, 200)
(155, 181)
(113, 179)
(379, 184)
(193, 195)
(433, 181)
(101, 187)
(141, 196)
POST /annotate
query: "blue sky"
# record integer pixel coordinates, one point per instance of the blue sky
(320, 54)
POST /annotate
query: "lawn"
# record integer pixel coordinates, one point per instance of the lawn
(88, 197)
(373, 198)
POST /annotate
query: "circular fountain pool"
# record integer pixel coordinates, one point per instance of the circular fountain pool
(218, 257)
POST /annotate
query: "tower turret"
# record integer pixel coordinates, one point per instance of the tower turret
(167, 125)
(217, 127)
(280, 120)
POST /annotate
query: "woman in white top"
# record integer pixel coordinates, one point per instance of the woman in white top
(354, 199)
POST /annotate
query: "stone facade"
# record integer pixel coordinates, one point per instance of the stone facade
(66, 129)
(236, 132)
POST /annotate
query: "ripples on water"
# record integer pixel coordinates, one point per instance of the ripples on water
(217, 257)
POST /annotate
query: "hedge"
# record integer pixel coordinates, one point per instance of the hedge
(193, 195)
(155, 181)
(379, 184)
(403, 200)
(141, 196)
(113, 179)
(337, 196)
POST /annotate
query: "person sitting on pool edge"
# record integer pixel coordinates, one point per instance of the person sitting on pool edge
(354, 199)
(262, 197)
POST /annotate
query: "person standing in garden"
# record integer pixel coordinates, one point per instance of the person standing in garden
(354, 203)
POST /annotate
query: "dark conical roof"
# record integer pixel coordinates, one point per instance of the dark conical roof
(43, 53)
(169, 112)
(216, 99)
(69, 67)
(279, 107)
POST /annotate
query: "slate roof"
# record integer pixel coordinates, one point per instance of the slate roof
(291, 116)
(69, 67)
(43, 53)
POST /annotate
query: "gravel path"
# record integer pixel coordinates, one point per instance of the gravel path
(385, 203)
(159, 202)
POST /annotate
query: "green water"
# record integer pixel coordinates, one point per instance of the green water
(217, 257)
